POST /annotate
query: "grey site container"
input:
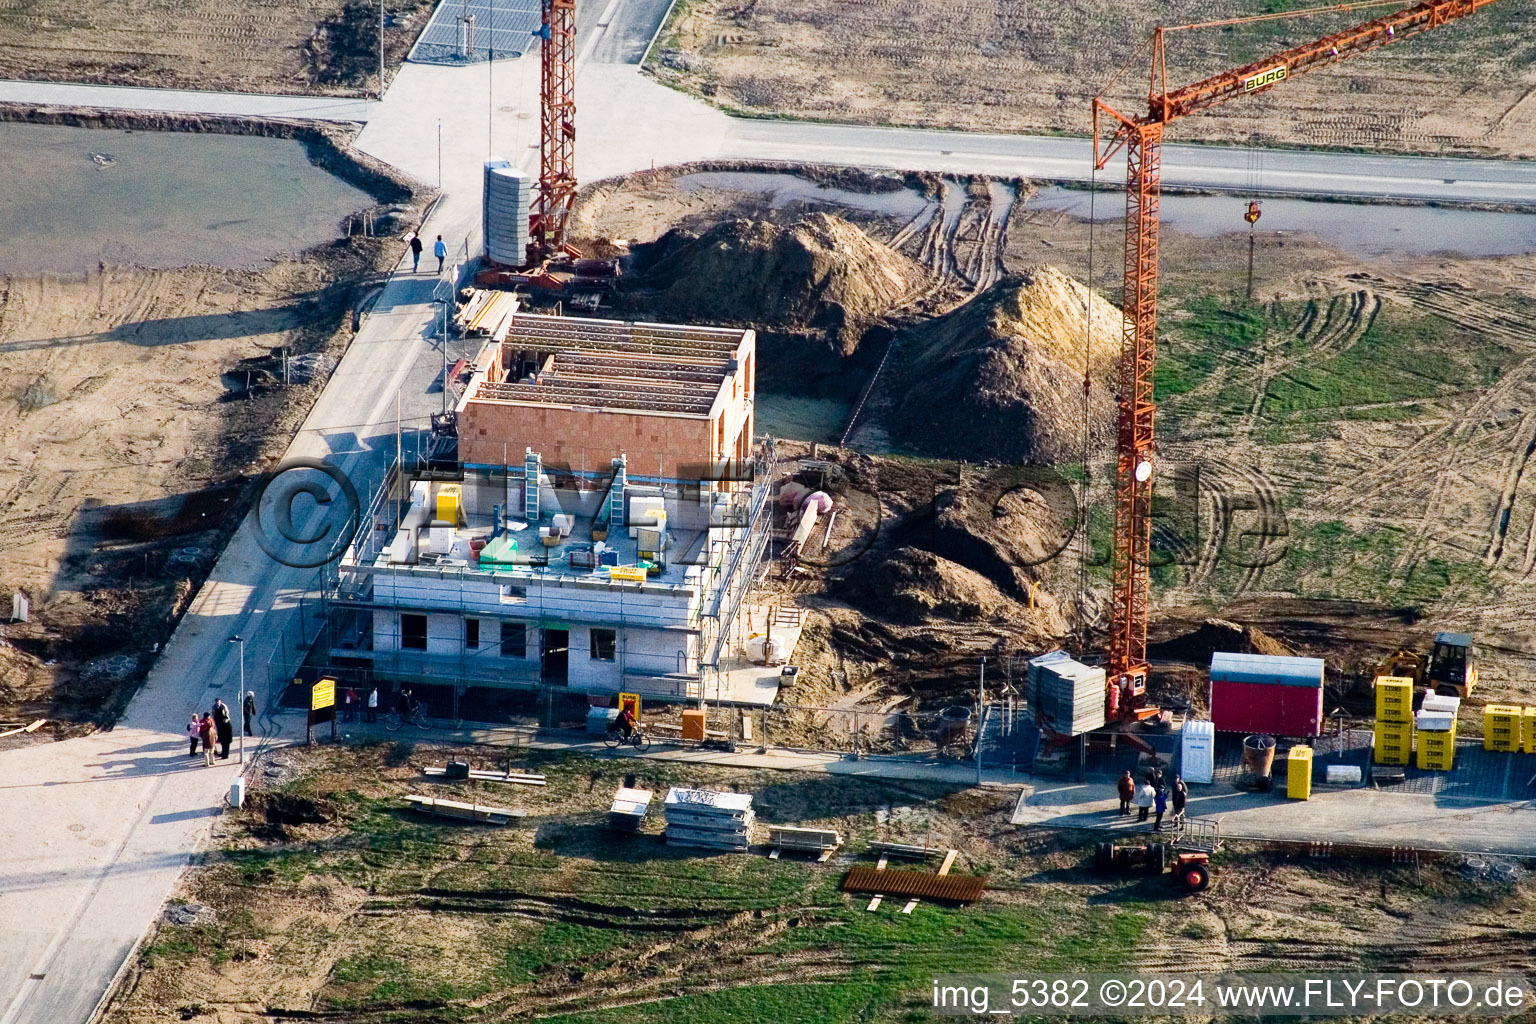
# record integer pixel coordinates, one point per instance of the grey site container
(1065, 694)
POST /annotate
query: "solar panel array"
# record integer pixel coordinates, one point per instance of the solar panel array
(502, 27)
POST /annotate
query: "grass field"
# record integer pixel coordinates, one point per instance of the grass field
(367, 914)
(390, 917)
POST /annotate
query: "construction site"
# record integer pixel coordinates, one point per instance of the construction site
(749, 569)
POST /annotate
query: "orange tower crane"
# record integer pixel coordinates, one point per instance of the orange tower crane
(557, 131)
(1141, 137)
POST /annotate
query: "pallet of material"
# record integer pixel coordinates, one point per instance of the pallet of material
(905, 851)
(630, 806)
(482, 813)
(916, 884)
(519, 778)
(709, 839)
(702, 817)
(822, 841)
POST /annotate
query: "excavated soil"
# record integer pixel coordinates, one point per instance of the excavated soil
(1002, 377)
(818, 276)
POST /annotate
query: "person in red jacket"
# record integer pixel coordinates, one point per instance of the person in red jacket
(1127, 787)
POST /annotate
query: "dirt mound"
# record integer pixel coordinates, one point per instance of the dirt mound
(821, 274)
(912, 586)
(1218, 635)
(1002, 377)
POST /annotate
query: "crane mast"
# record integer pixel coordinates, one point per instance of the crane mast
(557, 130)
(1141, 137)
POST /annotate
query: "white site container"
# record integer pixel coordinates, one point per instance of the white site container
(1197, 756)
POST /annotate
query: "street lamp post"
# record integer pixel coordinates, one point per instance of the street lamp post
(240, 697)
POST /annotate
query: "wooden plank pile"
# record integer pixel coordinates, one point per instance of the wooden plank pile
(487, 312)
(705, 818)
(484, 814)
(820, 841)
(517, 778)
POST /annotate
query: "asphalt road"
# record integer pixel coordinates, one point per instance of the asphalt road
(1204, 167)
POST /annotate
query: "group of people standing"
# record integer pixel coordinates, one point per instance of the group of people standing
(1152, 795)
(216, 727)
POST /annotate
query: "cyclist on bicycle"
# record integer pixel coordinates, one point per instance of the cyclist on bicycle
(626, 723)
(407, 704)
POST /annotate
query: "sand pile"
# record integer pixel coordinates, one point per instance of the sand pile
(1002, 377)
(821, 274)
(912, 586)
(1218, 635)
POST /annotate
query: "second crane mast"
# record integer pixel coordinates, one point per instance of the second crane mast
(1141, 137)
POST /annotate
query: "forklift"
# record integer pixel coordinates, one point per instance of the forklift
(1186, 855)
(1447, 669)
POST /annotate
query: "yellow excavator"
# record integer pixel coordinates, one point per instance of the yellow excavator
(1447, 669)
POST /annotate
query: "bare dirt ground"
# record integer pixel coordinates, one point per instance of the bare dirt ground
(1466, 88)
(325, 899)
(1375, 409)
(277, 46)
(136, 406)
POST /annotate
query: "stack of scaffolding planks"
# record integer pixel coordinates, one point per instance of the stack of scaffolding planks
(705, 818)
(487, 312)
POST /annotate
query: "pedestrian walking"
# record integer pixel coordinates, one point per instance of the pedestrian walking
(1179, 797)
(224, 726)
(1146, 796)
(193, 729)
(415, 253)
(250, 712)
(1127, 788)
(205, 733)
(440, 251)
(1160, 802)
(373, 704)
(349, 705)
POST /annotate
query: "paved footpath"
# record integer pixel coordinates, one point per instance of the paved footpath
(179, 101)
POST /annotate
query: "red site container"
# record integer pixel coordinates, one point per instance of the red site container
(1266, 708)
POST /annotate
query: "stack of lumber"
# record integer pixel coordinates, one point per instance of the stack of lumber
(487, 312)
(483, 813)
(820, 841)
(517, 778)
(703, 817)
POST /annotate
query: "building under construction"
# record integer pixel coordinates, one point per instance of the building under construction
(600, 532)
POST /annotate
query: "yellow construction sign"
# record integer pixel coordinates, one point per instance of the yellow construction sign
(1269, 76)
(323, 695)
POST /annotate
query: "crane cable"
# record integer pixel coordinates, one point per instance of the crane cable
(1086, 546)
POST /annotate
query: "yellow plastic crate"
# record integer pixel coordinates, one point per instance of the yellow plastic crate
(1392, 752)
(1394, 699)
(1502, 724)
(450, 499)
(1298, 773)
(1436, 750)
(1528, 731)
